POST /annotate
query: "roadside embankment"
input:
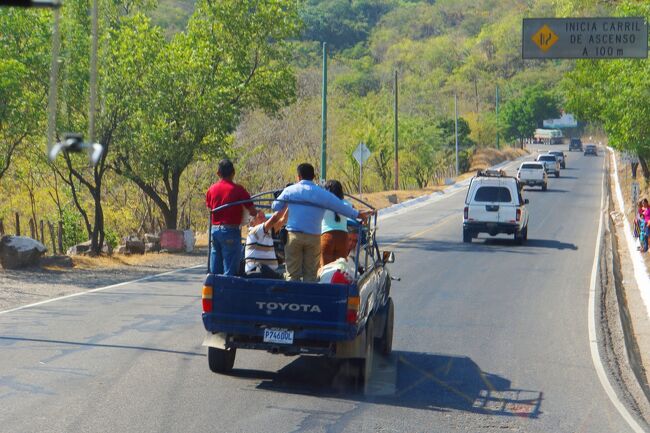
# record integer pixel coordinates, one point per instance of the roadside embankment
(628, 321)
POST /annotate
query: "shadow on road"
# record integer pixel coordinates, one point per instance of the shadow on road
(486, 244)
(547, 191)
(564, 177)
(419, 380)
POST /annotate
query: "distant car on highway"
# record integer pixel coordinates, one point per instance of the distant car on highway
(494, 205)
(591, 149)
(551, 163)
(560, 156)
(533, 174)
(575, 144)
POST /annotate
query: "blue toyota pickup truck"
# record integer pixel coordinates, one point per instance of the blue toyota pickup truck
(345, 321)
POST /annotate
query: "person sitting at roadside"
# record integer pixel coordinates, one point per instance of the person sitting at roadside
(225, 251)
(259, 254)
(334, 229)
(304, 224)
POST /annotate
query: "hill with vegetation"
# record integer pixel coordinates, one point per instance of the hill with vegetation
(184, 84)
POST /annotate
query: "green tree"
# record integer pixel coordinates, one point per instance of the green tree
(232, 58)
(522, 115)
(24, 65)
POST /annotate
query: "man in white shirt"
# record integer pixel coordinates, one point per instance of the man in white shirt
(260, 250)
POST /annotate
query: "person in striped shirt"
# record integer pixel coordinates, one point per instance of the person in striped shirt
(260, 251)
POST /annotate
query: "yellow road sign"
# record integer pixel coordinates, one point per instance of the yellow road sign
(545, 38)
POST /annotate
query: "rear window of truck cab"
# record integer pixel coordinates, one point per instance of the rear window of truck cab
(497, 194)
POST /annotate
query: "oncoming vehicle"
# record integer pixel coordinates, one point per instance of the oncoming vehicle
(575, 144)
(349, 316)
(551, 164)
(560, 156)
(532, 174)
(591, 149)
(494, 205)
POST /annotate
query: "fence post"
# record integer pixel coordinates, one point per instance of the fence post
(51, 226)
(32, 229)
(17, 224)
(60, 237)
(2, 227)
(42, 233)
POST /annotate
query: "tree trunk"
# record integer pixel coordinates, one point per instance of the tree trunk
(644, 167)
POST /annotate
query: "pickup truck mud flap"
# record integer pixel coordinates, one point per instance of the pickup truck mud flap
(352, 349)
(217, 340)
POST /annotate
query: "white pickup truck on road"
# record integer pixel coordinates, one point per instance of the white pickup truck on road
(494, 205)
(533, 174)
(551, 163)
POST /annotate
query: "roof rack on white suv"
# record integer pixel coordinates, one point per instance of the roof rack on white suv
(492, 173)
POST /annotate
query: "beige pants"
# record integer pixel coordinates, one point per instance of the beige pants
(302, 254)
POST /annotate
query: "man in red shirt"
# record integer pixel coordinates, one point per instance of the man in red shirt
(226, 251)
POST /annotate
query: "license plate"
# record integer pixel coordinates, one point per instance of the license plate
(280, 336)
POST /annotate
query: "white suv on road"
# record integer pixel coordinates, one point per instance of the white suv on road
(494, 205)
(551, 163)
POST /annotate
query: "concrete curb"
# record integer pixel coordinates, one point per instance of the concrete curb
(640, 269)
(438, 195)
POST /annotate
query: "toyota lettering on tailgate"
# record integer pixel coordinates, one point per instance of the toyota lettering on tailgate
(284, 306)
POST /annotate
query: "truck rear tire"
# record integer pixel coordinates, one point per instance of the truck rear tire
(365, 369)
(519, 237)
(386, 342)
(467, 236)
(557, 174)
(544, 187)
(221, 360)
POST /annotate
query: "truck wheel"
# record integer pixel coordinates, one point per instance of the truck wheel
(544, 187)
(366, 363)
(221, 360)
(386, 342)
(467, 236)
(525, 234)
(557, 173)
(519, 238)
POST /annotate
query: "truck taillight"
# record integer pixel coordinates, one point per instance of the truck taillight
(353, 310)
(206, 298)
(466, 212)
(518, 214)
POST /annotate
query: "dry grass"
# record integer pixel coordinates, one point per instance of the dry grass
(484, 158)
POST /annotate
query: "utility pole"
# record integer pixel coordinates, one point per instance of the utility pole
(54, 72)
(323, 148)
(93, 74)
(456, 128)
(396, 137)
(497, 113)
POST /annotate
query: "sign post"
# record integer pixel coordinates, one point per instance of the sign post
(585, 38)
(361, 154)
(636, 191)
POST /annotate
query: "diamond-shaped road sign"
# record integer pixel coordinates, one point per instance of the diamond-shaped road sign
(544, 38)
(361, 153)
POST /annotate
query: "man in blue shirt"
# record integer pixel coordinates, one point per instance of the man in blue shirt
(304, 225)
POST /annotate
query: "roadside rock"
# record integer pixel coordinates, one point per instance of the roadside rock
(83, 249)
(79, 249)
(134, 245)
(20, 251)
(151, 247)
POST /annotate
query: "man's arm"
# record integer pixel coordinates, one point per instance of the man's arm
(332, 202)
(277, 220)
(277, 204)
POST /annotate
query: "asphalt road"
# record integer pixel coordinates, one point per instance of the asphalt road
(489, 336)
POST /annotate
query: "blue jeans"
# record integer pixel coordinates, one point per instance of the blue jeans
(226, 251)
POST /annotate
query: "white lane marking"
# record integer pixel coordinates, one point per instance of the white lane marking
(593, 342)
(640, 270)
(99, 289)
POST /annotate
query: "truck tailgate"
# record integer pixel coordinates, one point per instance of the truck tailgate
(241, 303)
